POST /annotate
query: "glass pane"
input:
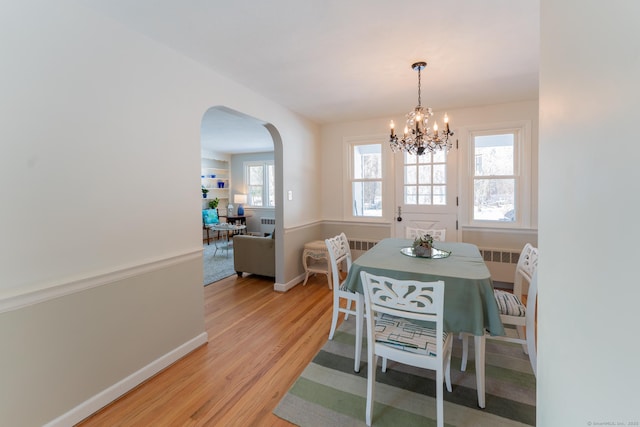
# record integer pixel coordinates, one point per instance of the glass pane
(424, 194)
(367, 198)
(425, 158)
(494, 199)
(439, 195)
(255, 195)
(255, 175)
(272, 185)
(494, 155)
(410, 175)
(421, 174)
(424, 174)
(410, 158)
(439, 174)
(439, 157)
(367, 161)
(410, 195)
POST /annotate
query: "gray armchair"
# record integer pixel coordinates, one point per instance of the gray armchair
(252, 254)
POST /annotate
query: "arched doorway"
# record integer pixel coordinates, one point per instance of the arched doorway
(230, 136)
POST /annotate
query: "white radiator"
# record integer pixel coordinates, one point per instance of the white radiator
(267, 225)
(360, 246)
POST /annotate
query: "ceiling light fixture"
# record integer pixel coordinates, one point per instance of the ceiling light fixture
(418, 138)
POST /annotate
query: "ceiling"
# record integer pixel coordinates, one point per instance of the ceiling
(344, 60)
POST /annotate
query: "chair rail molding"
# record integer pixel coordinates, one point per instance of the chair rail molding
(17, 298)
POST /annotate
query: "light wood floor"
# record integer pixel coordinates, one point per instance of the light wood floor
(259, 343)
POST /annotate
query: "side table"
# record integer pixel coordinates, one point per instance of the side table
(228, 229)
(315, 259)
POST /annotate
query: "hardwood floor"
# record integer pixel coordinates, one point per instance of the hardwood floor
(259, 342)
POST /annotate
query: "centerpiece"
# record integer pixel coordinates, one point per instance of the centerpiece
(423, 245)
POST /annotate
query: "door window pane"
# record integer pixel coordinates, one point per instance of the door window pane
(439, 195)
(421, 175)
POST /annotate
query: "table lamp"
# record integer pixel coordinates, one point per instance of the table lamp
(240, 199)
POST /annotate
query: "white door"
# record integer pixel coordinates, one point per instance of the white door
(426, 192)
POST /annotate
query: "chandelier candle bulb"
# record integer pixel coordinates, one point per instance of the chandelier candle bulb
(392, 125)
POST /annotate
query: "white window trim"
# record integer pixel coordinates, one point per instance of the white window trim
(522, 172)
(387, 177)
(265, 193)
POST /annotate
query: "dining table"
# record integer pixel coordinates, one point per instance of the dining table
(469, 304)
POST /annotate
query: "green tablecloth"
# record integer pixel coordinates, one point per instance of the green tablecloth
(469, 304)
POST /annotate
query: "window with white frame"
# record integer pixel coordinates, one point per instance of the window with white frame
(260, 182)
(366, 180)
(499, 187)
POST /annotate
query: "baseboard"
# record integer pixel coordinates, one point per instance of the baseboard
(284, 287)
(110, 394)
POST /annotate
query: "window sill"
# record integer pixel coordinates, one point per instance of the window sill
(503, 229)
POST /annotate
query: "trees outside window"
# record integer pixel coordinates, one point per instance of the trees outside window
(260, 181)
(366, 180)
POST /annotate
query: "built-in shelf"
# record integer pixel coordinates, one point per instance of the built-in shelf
(217, 182)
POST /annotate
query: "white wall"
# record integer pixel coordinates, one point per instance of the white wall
(588, 371)
(101, 253)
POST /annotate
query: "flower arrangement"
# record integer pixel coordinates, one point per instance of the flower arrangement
(422, 245)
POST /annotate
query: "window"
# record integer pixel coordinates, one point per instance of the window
(366, 180)
(260, 181)
(499, 189)
(425, 179)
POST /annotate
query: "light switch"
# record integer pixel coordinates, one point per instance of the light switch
(290, 195)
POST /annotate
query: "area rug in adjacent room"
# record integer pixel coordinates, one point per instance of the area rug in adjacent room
(217, 264)
(329, 393)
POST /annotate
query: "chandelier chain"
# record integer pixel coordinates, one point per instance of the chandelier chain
(419, 88)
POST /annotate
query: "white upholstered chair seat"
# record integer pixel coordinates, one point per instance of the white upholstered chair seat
(401, 333)
(509, 304)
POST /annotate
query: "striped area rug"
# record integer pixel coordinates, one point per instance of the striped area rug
(329, 393)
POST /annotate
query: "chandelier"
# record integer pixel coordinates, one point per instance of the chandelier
(418, 138)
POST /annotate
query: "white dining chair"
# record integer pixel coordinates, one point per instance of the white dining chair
(512, 311)
(394, 310)
(437, 234)
(339, 253)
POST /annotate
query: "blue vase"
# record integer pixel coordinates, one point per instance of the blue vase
(240, 210)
